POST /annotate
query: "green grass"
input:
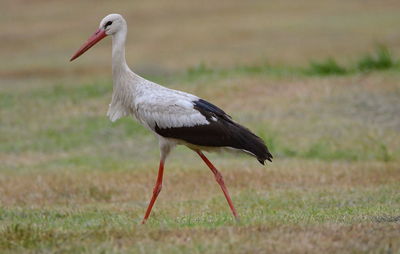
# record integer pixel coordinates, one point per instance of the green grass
(76, 94)
(381, 59)
(74, 131)
(74, 230)
(273, 208)
(325, 68)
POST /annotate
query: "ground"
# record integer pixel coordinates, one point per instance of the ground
(72, 182)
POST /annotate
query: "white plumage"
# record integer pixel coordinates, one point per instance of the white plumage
(175, 117)
(153, 104)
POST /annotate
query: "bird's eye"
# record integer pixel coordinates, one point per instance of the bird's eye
(107, 24)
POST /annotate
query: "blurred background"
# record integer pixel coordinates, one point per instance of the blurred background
(318, 80)
(167, 36)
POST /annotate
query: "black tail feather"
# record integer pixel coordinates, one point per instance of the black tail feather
(248, 141)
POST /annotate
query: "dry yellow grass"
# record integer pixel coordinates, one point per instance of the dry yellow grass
(37, 189)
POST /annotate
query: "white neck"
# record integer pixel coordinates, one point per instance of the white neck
(124, 80)
(118, 52)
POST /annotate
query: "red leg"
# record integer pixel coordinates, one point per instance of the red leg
(220, 181)
(156, 191)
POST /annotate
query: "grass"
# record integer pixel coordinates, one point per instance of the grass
(381, 59)
(80, 184)
(328, 67)
(73, 182)
(98, 215)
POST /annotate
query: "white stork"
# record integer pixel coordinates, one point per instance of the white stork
(176, 118)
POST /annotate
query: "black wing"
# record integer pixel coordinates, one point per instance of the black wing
(220, 132)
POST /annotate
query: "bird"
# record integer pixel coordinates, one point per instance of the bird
(175, 117)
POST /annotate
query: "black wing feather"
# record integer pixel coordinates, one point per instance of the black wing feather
(202, 105)
(221, 132)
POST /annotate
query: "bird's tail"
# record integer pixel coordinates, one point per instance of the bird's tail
(251, 143)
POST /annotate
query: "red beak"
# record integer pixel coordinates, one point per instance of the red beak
(95, 38)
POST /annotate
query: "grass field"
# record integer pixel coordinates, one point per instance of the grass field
(310, 78)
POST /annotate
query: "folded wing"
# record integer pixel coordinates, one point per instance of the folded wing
(198, 122)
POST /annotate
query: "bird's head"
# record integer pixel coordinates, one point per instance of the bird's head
(109, 25)
(112, 23)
